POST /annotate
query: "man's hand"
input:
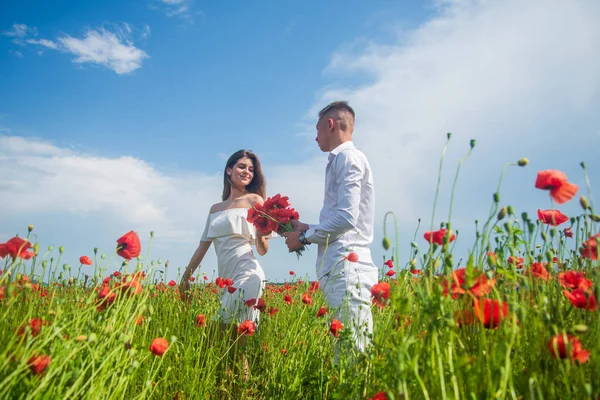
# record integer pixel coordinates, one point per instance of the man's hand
(299, 226)
(291, 239)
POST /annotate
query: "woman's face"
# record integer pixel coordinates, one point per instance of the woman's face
(242, 172)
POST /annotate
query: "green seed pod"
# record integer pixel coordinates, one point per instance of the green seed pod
(496, 197)
(61, 249)
(595, 217)
(386, 243)
(523, 162)
(30, 228)
(584, 203)
(544, 236)
(472, 143)
(502, 213)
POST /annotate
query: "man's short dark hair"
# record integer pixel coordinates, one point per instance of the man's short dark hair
(337, 106)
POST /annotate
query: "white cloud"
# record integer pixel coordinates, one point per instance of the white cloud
(113, 49)
(104, 48)
(19, 54)
(146, 33)
(183, 9)
(43, 42)
(20, 31)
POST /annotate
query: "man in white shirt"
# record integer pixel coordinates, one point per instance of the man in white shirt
(345, 225)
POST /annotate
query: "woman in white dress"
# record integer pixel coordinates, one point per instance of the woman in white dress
(227, 227)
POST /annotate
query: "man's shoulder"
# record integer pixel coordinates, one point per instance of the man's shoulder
(352, 155)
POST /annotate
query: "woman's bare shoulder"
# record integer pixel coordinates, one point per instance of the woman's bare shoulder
(254, 198)
(217, 207)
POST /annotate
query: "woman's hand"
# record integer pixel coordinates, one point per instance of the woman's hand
(184, 289)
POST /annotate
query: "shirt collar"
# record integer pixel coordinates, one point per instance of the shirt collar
(340, 148)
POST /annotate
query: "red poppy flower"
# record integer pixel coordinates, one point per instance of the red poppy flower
(570, 348)
(568, 232)
(35, 326)
(389, 263)
(139, 320)
(517, 261)
(380, 293)
(379, 396)
(131, 285)
(159, 346)
(85, 260)
(437, 237)
(224, 282)
(38, 364)
(479, 285)
(390, 273)
(292, 273)
(314, 286)
(590, 248)
(539, 270)
(574, 280)
(15, 248)
(322, 311)
(556, 182)
(552, 217)
(464, 317)
(128, 245)
(205, 277)
(352, 257)
(582, 299)
(260, 305)
(272, 311)
(307, 299)
(105, 297)
(172, 283)
(287, 298)
(250, 302)
(192, 279)
(200, 321)
(490, 312)
(335, 328)
(247, 328)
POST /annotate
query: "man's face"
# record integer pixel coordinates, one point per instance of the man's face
(323, 134)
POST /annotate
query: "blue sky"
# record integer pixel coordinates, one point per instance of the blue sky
(120, 115)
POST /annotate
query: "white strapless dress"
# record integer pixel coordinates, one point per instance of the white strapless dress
(233, 237)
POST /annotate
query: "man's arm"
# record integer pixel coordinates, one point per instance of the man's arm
(348, 179)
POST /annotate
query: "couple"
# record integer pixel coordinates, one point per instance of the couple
(345, 224)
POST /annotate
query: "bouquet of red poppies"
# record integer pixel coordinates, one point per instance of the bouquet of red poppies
(274, 215)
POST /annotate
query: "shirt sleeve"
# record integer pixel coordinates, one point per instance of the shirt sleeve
(204, 237)
(347, 180)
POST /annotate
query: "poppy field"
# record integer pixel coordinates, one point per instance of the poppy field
(518, 319)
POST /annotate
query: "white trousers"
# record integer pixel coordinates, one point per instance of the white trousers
(347, 289)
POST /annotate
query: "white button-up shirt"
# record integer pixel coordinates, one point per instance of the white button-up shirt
(348, 214)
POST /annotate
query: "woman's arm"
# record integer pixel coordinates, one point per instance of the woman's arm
(262, 244)
(195, 261)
